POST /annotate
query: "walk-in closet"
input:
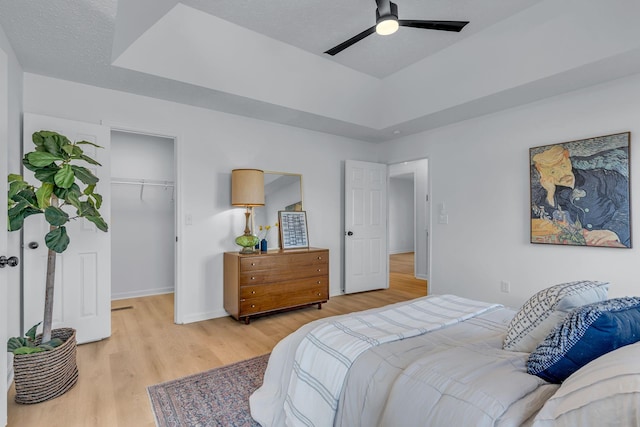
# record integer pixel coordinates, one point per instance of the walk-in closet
(142, 215)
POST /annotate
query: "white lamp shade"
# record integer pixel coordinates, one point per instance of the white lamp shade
(247, 187)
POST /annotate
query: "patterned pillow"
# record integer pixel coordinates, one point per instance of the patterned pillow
(544, 310)
(603, 392)
(587, 333)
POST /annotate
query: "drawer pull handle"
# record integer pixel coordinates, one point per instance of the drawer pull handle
(253, 292)
(253, 278)
(242, 300)
(319, 270)
(319, 257)
(319, 294)
(319, 282)
(253, 263)
(253, 306)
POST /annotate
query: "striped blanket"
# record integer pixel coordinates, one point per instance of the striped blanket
(324, 356)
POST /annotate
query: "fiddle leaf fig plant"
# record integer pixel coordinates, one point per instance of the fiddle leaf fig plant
(54, 163)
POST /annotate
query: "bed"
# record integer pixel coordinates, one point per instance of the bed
(441, 361)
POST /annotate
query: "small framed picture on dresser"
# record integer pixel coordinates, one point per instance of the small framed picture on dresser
(293, 229)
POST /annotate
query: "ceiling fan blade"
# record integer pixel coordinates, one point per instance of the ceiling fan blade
(355, 39)
(433, 25)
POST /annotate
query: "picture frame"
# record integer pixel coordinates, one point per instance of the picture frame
(580, 192)
(293, 229)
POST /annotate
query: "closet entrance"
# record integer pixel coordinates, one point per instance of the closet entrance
(409, 211)
(143, 215)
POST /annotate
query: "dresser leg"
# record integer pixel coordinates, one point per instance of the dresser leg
(246, 320)
(319, 306)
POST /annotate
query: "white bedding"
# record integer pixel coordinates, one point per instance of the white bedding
(425, 377)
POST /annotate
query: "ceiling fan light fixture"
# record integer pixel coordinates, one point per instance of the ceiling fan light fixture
(387, 25)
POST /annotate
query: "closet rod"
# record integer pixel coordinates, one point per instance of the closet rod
(151, 182)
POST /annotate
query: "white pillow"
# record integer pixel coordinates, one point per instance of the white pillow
(546, 309)
(604, 392)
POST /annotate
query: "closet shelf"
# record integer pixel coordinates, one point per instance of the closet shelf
(151, 182)
(145, 182)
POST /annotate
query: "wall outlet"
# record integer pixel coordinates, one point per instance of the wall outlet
(188, 219)
(443, 219)
(505, 286)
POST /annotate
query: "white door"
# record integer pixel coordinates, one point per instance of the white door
(4, 134)
(365, 222)
(82, 296)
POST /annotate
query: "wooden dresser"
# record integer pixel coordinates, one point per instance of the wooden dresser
(265, 282)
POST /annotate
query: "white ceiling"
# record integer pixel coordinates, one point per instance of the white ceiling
(264, 59)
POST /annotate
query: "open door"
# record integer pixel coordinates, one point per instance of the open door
(82, 297)
(365, 219)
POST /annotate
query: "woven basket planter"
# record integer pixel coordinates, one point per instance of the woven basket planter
(49, 374)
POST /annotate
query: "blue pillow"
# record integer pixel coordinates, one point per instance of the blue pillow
(587, 333)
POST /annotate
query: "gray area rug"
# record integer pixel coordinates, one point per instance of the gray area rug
(219, 397)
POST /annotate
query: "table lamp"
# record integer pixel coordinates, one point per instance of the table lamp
(247, 190)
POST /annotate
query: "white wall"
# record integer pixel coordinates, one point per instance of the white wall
(210, 144)
(480, 168)
(142, 217)
(401, 215)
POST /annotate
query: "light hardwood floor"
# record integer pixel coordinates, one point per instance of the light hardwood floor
(147, 348)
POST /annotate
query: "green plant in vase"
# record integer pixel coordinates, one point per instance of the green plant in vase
(65, 186)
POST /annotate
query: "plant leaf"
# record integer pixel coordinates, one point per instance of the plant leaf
(31, 333)
(15, 187)
(88, 143)
(17, 342)
(15, 222)
(14, 177)
(52, 145)
(64, 177)
(56, 216)
(57, 239)
(99, 222)
(18, 208)
(89, 189)
(28, 165)
(89, 160)
(47, 174)
(98, 198)
(84, 175)
(40, 159)
(73, 199)
(27, 195)
(87, 210)
(43, 194)
(28, 350)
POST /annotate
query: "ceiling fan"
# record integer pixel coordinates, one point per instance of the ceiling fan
(387, 22)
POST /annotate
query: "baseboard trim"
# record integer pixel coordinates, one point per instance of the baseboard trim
(142, 293)
(208, 315)
(400, 251)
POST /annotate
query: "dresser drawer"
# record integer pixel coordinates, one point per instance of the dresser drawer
(282, 275)
(288, 261)
(260, 298)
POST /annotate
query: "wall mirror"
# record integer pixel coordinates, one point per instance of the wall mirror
(282, 192)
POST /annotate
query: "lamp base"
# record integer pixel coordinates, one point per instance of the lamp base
(248, 243)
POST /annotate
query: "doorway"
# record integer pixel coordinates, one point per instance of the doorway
(143, 218)
(409, 222)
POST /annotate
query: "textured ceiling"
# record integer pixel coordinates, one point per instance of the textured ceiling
(74, 40)
(317, 26)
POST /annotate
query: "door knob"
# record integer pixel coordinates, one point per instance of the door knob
(349, 233)
(11, 261)
(33, 245)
